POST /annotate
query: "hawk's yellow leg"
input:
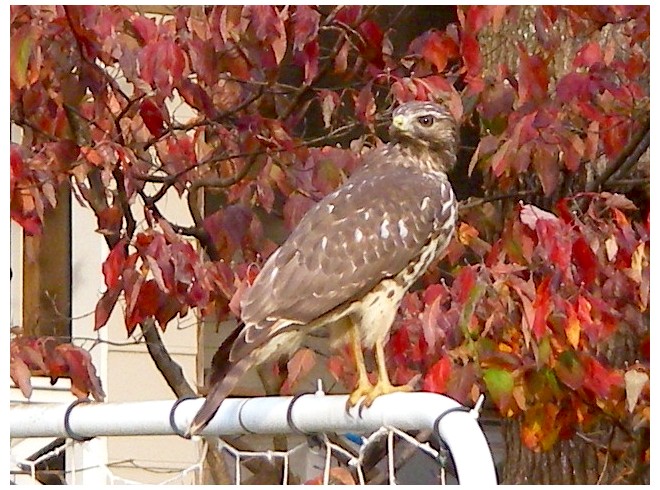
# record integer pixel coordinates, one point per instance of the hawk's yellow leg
(364, 386)
(383, 385)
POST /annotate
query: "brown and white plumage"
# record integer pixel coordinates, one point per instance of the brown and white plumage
(352, 257)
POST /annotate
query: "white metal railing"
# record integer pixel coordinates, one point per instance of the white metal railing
(309, 413)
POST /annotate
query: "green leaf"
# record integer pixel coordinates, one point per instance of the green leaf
(499, 383)
(22, 43)
(569, 370)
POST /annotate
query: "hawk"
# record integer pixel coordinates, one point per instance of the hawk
(352, 257)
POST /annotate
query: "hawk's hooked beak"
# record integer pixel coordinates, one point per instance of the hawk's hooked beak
(399, 122)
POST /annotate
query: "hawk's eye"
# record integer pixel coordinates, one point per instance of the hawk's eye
(426, 121)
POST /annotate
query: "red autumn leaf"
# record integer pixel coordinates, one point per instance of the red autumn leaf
(461, 382)
(432, 320)
(555, 243)
(600, 380)
(295, 208)
(168, 309)
(572, 326)
(438, 49)
(348, 14)
(20, 375)
(471, 53)
(298, 366)
(16, 164)
(574, 86)
(615, 134)
(269, 29)
(145, 28)
(372, 46)
(399, 343)
(309, 59)
(110, 220)
(306, 26)
(114, 264)
(56, 366)
(545, 161)
(196, 97)
(177, 155)
(28, 349)
(365, 105)
(530, 214)
(337, 367)
(463, 284)
(236, 223)
(104, 307)
(157, 272)
(501, 160)
(161, 64)
(152, 117)
(476, 17)
(574, 150)
(533, 77)
(437, 377)
(435, 292)
(542, 304)
(30, 222)
(585, 260)
(81, 371)
(588, 55)
(146, 305)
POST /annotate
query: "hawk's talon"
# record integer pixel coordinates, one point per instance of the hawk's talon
(383, 388)
(361, 391)
(365, 394)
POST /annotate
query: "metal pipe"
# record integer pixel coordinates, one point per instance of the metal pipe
(312, 413)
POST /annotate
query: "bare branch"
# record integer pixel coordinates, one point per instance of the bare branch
(206, 121)
(463, 205)
(628, 157)
(168, 367)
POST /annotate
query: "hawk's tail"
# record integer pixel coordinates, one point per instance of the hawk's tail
(224, 377)
(217, 395)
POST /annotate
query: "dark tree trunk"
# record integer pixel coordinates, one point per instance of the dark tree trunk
(603, 458)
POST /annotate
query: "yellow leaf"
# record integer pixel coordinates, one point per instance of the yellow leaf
(636, 264)
(635, 382)
(502, 347)
(611, 248)
(573, 328)
(466, 233)
(519, 396)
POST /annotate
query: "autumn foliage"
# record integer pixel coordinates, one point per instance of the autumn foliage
(542, 300)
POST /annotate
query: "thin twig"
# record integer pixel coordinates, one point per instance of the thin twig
(463, 205)
(626, 159)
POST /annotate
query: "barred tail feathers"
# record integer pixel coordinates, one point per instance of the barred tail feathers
(219, 390)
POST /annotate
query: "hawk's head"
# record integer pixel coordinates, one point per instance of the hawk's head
(425, 126)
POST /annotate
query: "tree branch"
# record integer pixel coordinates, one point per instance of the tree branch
(628, 157)
(206, 121)
(302, 91)
(170, 369)
(463, 205)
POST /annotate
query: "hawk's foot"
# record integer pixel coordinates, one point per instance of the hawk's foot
(363, 389)
(382, 387)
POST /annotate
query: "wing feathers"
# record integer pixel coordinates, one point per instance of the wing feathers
(330, 259)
